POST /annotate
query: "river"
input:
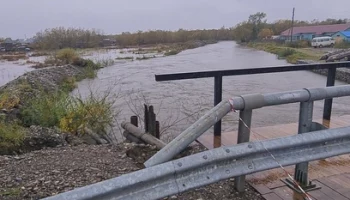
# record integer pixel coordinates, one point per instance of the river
(179, 103)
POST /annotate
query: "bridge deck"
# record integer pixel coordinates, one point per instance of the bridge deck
(332, 174)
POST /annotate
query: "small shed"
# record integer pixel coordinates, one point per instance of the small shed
(342, 36)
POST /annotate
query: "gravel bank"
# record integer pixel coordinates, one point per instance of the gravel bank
(47, 172)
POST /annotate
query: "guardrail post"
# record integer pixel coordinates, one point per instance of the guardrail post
(217, 100)
(245, 119)
(301, 169)
(305, 122)
(327, 109)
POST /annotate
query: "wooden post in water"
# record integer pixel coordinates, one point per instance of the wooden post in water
(128, 136)
(151, 124)
(146, 118)
(157, 130)
(134, 121)
(151, 121)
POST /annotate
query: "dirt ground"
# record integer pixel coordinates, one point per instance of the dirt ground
(47, 172)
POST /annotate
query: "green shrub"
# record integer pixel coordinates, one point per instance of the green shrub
(89, 72)
(68, 84)
(46, 110)
(67, 55)
(95, 113)
(299, 44)
(8, 100)
(283, 53)
(11, 137)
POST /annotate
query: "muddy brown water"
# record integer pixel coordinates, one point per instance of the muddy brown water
(180, 103)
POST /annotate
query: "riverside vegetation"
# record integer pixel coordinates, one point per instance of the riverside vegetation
(41, 98)
(289, 52)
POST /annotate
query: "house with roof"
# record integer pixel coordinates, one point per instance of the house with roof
(310, 32)
(342, 36)
(8, 44)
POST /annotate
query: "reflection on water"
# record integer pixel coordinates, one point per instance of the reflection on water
(180, 103)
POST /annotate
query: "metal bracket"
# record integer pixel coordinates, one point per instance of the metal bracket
(315, 126)
(253, 101)
(307, 188)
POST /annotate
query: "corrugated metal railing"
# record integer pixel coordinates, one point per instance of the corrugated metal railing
(212, 166)
(164, 177)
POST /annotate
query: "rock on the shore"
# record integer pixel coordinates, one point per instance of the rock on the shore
(342, 74)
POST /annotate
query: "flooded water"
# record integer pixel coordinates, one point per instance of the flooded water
(11, 70)
(179, 103)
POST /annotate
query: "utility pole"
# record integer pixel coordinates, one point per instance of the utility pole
(291, 34)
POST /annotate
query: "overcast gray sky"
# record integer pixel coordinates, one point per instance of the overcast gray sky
(26, 17)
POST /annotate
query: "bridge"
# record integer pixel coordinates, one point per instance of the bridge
(305, 160)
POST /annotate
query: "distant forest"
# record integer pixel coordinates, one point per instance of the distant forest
(254, 28)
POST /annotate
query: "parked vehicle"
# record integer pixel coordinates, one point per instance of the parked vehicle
(322, 42)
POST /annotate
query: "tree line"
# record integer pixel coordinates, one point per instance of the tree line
(255, 27)
(180, 36)
(61, 37)
(58, 38)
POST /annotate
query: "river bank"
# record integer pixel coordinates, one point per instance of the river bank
(44, 173)
(302, 56)
(37, 111)
(291, 55)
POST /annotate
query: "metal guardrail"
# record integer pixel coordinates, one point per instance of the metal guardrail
(246, 104)
(219, 74)
(214, 165)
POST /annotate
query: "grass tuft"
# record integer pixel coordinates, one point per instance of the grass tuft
(67, 55)
(11, 137)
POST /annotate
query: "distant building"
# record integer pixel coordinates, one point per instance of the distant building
(108, 42)
(342, 36)
(309, 32)
(8, 44)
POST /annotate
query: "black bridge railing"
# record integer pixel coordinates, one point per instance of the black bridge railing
(331, 67)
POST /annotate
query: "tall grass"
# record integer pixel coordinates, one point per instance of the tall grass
(284, 53)
(342, 45)
(67, 55)
(45, 111)
(94, 112)
(70, 114)
(11, 137)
